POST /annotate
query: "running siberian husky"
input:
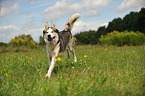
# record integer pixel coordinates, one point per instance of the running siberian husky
(59, 41)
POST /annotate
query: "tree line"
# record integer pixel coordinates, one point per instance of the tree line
(134, 21)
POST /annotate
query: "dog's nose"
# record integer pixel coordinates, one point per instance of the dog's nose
(49, 36)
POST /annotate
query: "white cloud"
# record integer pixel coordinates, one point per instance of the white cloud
(80, 26)
(9, 27)
(7, 9)
(63, 8)
(129, 4)
(104, 24)
(60, 9)
(10, 31)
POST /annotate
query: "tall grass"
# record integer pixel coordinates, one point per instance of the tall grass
(100, 71)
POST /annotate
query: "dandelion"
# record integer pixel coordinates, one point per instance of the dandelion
(19, 58)
(28, 61)
(6, 74)
(38, 69)
(106, 49)
(61, 77)
(31, 58)
(72, 67)
(118, 74)
(58, 59)
(85, 55)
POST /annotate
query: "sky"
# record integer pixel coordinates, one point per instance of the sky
(19, 17)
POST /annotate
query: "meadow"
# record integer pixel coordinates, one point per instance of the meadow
(100, 71)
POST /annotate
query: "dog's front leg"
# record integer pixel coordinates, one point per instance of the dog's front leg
(51, 66)
(48, 55)
(53, 62)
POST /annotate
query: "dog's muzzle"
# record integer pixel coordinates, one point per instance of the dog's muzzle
(50, 39)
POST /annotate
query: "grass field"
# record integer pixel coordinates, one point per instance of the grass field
(100, 71)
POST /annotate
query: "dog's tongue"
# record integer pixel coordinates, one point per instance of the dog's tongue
(52, 41)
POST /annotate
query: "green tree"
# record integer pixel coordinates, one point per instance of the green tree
(41, 41)
(116, 24)
(141, 21)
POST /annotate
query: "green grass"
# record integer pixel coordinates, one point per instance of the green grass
(100, 71)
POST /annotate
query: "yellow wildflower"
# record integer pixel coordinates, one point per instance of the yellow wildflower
(106, 49)
(72, 67)
(38, 69)
(85, 55)
(6, 74)
(61, 77)
(31, 58)
(18, 58)
(28, 61)
(58, 59)
(118, 74)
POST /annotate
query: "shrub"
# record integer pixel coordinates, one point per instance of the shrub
(123, 38)
(23, 40)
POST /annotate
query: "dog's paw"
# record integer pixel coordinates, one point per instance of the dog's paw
(47, 75)
(75, 59)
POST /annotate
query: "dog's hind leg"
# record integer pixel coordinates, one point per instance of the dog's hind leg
(73, 52)
(68, 55)
(70, 46)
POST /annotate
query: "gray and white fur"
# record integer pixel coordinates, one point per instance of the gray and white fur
(59, 41)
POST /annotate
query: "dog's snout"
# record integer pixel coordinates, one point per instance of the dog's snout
(49, 36)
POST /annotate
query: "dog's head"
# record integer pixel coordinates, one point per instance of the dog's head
(51, 34)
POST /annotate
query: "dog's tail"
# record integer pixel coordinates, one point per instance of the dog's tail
(70, 22)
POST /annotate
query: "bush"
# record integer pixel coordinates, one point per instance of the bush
(123, 38)
(23, 40)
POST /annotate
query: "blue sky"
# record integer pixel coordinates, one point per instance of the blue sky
(19, 17)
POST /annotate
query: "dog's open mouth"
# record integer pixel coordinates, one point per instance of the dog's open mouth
(51, 40)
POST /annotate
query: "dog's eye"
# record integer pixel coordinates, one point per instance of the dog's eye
(44, 32)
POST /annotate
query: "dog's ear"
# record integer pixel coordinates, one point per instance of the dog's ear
(53, 25)
(46, 25)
